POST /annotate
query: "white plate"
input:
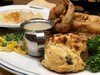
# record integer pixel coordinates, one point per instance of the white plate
(27, 65)
(34, 9)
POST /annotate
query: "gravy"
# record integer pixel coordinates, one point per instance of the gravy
(37, 26)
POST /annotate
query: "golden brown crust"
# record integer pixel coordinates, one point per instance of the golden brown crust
(62, 17)
(87, 23)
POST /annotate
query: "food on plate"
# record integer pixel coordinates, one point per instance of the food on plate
(63, 53)
(17, 17)
(62, 15)
(65, 18)
(10, 42)
(93, 44)
(91, 23)
(66, 52)
(93, 62)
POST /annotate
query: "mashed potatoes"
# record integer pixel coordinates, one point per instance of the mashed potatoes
(17, 17)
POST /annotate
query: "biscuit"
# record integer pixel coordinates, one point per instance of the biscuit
(62, 53)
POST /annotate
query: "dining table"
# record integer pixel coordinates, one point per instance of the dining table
(43, 3)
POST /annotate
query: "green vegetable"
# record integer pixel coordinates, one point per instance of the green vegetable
(14, 37)
(3, 43)
(11, 37)
(93, 63)
(94, 44)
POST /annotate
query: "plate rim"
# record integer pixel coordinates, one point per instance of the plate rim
(9, 67)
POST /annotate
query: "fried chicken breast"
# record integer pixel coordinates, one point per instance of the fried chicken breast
(62, 15)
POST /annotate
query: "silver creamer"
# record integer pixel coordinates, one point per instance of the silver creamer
(34, 37)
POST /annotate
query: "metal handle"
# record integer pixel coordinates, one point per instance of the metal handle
(35, 42)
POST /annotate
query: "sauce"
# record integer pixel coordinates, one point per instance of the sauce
(37, 26)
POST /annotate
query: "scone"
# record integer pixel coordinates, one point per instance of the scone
(63, 53)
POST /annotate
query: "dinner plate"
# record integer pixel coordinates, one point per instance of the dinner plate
(35, 9)
(27, 65)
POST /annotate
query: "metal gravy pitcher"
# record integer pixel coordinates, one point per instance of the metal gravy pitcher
(34, 40)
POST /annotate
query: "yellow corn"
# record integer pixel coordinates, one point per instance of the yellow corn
(3, 39)
(12, 46)
(0, 44)
(23, 52)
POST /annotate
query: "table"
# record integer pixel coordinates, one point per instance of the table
(21, 1)
(43, 3)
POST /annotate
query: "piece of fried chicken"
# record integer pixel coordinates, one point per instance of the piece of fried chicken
(62, 15)
(65, 19)
(89, 23)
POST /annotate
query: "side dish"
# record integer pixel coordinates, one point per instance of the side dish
(63, 53)
(10, 42)
(17, 17)
(93, 62)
